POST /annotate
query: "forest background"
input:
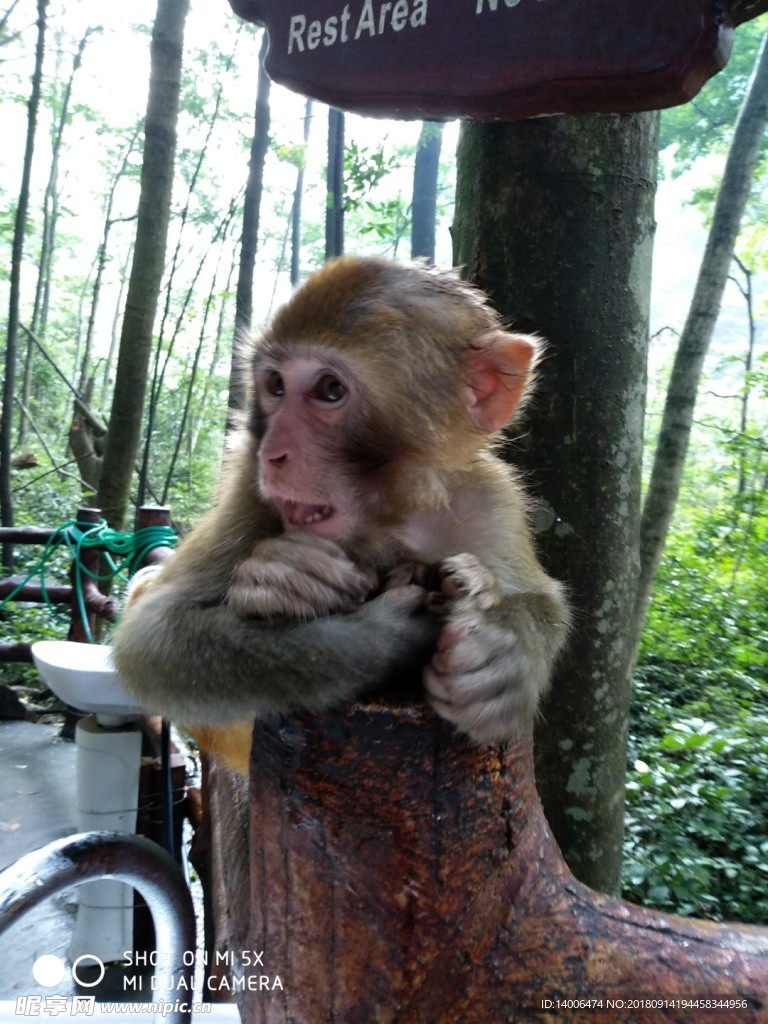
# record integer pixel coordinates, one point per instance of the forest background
(697, 787)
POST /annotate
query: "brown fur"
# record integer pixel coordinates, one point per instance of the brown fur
(399, 470)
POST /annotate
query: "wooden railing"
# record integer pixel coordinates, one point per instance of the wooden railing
(97, 605)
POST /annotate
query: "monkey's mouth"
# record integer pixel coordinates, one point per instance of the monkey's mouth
(299, 514)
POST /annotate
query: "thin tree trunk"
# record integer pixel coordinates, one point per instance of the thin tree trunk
(298, 196)
(250, 238)
(222, 235)
(554, 218)
(101, 263)
(158, 374)
(48, 246)
(334, 211)
(424, 206)
(114, 334)
(677, 419)
(747, 293)
(124, 435)
(51, 199)
(194, 433)
(14, 301)
(5, 18)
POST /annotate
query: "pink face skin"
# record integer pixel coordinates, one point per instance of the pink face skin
(305, 401)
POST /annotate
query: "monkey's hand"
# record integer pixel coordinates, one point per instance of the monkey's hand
(298, 575)
(494, 653)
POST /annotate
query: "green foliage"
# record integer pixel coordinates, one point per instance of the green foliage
(697, 823)
(704, 126)
(697, 793)
(364, 168)
(374, 209)
(294, 154)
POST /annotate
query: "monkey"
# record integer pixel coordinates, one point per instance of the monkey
(365, 532)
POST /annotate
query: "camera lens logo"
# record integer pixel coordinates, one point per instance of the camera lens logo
(50, 970)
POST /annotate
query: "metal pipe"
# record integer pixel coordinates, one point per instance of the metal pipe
(126, 858)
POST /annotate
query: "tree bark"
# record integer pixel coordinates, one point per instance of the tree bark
(298, 197)
(124, 435)
(249, 243)
(677, 419)
(48, 239)
(14, 299)
(426, 168)
(399, 874)
(554, 218)
(334, 211)
(84, 369)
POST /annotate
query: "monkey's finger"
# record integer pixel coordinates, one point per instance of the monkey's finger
(319, 576)
(463, 577)
(456, 633)
(352, 588)
(453, 583)
(503, 717)
(352, 582)
(480, 656)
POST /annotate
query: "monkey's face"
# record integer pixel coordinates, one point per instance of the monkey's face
(304, 406)
(375, 382)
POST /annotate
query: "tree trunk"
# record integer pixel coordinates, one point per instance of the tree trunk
(124, 434)
(14, 300)
(51, 200)
(84, 371)
(424, 206)
(554, 218)
(334, 211)
(164, 348)
(201, 426)
(221, 235)
(5, 17)
(50, 216)
(84, 446)
(677, 420)
(250, 237)
(114, 333)
(298, 196)
(400, 874)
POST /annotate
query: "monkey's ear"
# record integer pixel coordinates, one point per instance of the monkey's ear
(497, 374)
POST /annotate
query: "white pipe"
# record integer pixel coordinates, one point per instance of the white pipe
(107, 788)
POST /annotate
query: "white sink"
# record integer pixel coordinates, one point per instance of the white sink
(84, 676)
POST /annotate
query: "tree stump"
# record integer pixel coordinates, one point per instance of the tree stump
(399, 873)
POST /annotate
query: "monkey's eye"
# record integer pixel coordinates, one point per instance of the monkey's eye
(274, 384)
(329, 389)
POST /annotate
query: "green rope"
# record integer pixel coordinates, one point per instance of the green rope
(130, 550)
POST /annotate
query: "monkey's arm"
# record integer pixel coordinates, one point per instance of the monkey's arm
(495, 653)
(199, 663)
(505, 619)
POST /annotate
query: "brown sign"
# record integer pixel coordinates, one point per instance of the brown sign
(495, 58)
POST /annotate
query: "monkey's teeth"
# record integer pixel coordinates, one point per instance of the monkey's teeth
(317, 517)
(306, 515)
